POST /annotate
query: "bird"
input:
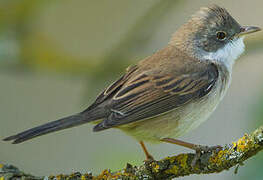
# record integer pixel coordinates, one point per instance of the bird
(171, 92)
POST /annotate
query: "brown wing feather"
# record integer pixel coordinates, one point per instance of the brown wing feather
(147, 96)
(111, 90)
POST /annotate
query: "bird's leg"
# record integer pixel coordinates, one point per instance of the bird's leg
(149, 157)
(195, 147)
(199, 149)
(180, 143)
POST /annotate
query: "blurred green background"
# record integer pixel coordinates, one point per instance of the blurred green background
(56, 56)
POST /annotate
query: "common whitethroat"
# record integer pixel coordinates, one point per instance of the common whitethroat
(171, 92)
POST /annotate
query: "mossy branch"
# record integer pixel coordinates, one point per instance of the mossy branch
(170, 167)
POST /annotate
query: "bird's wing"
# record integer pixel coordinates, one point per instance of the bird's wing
(147, 95)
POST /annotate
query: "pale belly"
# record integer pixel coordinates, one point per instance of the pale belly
(178, 121)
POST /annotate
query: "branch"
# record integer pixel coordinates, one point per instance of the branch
(170, 167)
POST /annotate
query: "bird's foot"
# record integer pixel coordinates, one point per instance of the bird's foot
(149, 159)
(200, 150)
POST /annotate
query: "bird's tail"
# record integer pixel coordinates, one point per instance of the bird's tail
(57, 125)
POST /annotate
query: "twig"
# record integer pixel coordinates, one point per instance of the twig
(230, 155)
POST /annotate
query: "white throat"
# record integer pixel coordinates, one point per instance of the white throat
(228, 54)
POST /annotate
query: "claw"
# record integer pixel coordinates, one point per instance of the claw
(200, 150)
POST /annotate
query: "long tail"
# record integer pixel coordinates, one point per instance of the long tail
(57, 125)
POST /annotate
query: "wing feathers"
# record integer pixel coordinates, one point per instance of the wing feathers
(130, 89)
(148, 96)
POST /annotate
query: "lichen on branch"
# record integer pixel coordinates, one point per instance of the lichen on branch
(170, 167)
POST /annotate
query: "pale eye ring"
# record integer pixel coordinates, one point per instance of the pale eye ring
(221, 35)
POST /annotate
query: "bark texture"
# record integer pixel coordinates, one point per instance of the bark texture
(215, 161)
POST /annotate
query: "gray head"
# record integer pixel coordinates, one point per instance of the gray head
(216, 27)
(210, 30)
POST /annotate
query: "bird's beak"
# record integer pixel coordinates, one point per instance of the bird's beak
(247, 30)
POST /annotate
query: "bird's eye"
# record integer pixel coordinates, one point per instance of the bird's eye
(221, 35)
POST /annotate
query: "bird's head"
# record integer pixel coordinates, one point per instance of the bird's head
(212, 33)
